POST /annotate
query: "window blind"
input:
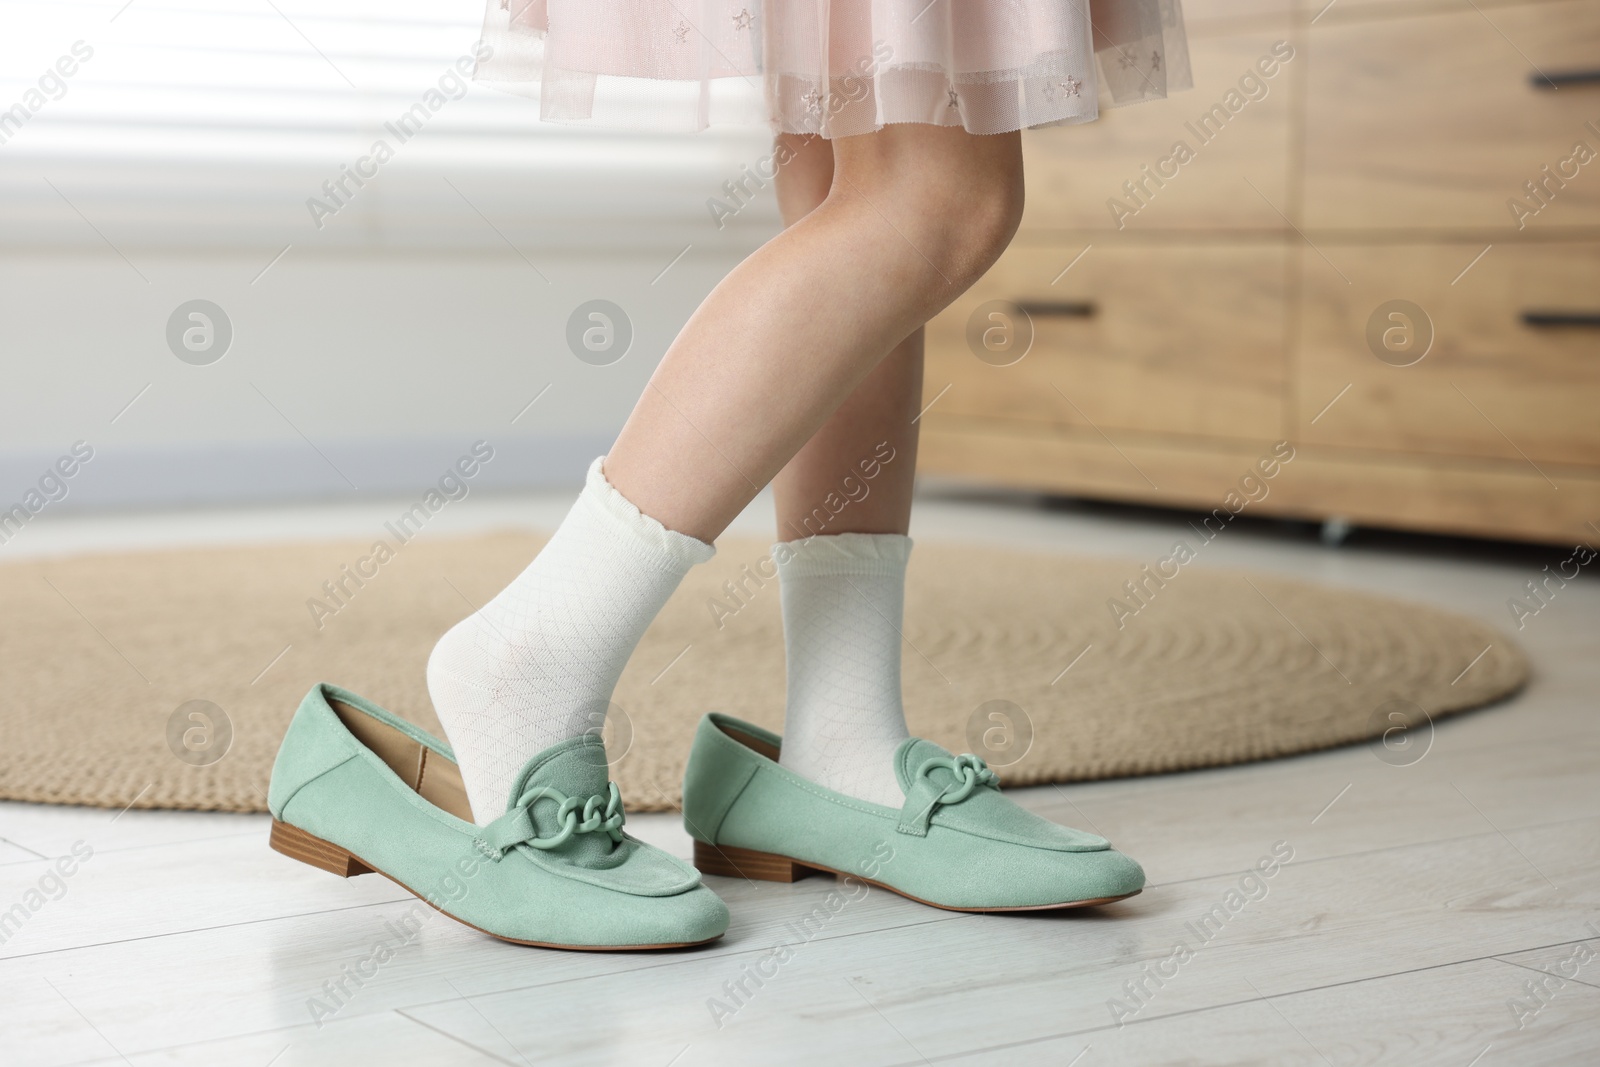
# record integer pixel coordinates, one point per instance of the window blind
(230, 122)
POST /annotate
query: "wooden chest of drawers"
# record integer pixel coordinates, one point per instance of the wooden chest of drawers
(1340, 262)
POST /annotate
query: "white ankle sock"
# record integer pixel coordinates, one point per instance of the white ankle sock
(538, 663)
(843, 599)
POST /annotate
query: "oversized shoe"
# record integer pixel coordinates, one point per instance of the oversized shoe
(357, 789)
(957, 843)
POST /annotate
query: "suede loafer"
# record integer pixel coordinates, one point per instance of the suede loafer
(957, 843)
(357, 789)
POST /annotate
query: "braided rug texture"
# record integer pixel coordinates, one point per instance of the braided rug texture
(1015, 656)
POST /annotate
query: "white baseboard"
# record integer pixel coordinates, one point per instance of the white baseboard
(151, 477)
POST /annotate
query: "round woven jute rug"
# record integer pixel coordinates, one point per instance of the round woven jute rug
(166, 679)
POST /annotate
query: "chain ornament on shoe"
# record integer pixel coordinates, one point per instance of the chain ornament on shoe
(923, 797)
(601, 813)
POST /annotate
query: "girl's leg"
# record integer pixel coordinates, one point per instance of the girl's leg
(843, 509)
(873, 422)
(914, 215)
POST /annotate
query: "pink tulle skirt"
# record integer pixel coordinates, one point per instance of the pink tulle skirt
(833, 67)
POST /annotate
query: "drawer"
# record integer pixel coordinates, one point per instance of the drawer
(1431, 121)
(1176, 340)
(1074, 171)
(1440, 495)
(1489, 386)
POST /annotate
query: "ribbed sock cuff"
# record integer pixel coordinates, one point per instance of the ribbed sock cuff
(846, 553)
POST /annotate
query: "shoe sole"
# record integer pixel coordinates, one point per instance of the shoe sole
(731, 862)
(309, 849)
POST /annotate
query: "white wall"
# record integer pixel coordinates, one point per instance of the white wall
(177, 164)
(391, 364)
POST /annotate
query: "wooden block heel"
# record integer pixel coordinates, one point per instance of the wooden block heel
(297, 844)
(733, 862)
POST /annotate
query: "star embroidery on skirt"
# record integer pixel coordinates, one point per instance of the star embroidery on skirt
(1126, 62)
(813, 101)
(1155, 60)
(1071, 86)
(681, 32)
(743, 19)
(955, 101)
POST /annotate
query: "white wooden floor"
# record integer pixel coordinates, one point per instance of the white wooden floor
(1420, 903)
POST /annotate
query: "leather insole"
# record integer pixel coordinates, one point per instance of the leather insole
(435, 778)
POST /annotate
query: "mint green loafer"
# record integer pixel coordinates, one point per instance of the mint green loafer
(956, 844)
(357, 789)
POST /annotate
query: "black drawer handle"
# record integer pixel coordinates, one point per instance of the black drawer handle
(1070, 309)
(1559, 78)
(1589, 319)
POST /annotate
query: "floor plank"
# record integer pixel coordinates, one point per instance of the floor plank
(1347, 801)
(391, 1039)
(1450, 1016)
